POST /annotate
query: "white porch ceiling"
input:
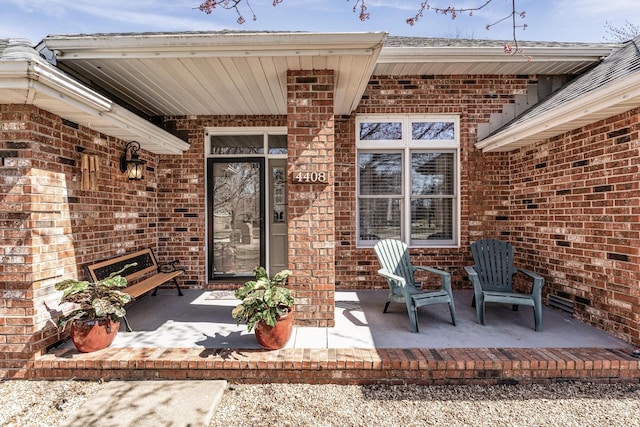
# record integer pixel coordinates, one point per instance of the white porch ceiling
(244, 73)
(216, 73)
(26, 78)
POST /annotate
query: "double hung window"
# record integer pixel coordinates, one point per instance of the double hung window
(408, 179)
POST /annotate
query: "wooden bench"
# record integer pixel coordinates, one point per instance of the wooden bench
(153, 274)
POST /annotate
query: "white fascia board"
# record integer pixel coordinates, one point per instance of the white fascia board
(214, 44)
(148, 133)
(39, 76)
(621, 92)
(62, 83)
(32, 74)
(363, 78)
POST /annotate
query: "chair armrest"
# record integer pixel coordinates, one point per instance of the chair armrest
(538, 280)
(530, 274)
(386, 274)
(471, 272)
(473, 276)
(431, 270)
(445, 276)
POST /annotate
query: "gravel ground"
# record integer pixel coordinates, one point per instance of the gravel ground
(48, 403)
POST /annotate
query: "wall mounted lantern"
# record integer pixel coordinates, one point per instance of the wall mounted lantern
(133, 166)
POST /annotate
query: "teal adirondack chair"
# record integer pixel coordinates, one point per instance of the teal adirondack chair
(492, 275)
(400, 274)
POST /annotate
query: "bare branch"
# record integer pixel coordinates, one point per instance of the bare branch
(509, 49)
(208, 6)
(621, 34)
(360, 7)
(449, 10)
(364, 15)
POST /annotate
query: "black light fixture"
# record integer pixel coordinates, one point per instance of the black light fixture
(133, 166)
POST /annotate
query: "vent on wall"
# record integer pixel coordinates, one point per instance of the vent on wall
(561, 304)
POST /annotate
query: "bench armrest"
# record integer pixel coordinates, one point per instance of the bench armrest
(168, 267)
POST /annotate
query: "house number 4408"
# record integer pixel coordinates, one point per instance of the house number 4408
(310, 177)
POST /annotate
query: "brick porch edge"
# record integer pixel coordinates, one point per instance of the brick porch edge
(345, 366)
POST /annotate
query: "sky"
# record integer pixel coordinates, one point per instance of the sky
(546, 20)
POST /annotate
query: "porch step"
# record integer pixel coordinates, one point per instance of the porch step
(345, 365)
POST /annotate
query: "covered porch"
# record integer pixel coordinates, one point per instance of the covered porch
(573, 219)
(194, 337)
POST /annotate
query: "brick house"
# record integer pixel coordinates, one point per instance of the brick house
(300, 150)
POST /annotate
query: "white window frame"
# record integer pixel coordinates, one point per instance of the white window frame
(408, 146)
(265, 131)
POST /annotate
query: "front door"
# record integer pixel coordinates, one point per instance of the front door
(236, 206)
(241, 235)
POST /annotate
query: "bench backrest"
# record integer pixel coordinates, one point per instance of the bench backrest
(146, 263)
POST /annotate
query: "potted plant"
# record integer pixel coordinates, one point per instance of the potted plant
(99, 307)
(268, 306)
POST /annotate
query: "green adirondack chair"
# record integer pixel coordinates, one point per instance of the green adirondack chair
(400, 274)
(492, 275)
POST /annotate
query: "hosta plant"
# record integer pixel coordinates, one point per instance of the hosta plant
(263, 299)
(94, 300)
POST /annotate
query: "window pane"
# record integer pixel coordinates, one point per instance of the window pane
(277, 144)
(377, 131)
(432, 131)
(380, 173)
(236, 188)
(380, 219)
(237, 144)
(431, 219)
(432, 173)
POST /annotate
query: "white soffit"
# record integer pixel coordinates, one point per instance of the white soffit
(456, 60)
(611, 88)
(26, 78)
(599, 104)
(217, 73)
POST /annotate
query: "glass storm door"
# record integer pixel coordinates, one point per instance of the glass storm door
(236, 210)
(278, 231)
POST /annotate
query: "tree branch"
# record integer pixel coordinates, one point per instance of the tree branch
(360, 7)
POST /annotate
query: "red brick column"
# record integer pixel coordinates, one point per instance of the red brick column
(310, 122)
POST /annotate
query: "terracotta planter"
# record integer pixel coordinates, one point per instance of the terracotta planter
(95, 334)
(275, 337)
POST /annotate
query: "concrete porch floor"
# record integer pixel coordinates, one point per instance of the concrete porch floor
(194, 336)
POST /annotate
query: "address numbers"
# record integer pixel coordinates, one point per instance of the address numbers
(310, 177)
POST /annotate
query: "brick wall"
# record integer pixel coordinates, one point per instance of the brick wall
(484, 213)
(311, 224)
(181, 196)
(51, 227)
(575, 216)
(570, 204)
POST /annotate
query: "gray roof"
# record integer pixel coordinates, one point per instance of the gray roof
(17, 49)
(404, 41)
(391, 41)
(620, 64)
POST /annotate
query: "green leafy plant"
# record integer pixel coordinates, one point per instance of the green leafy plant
(94, 300)
(263, 299)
